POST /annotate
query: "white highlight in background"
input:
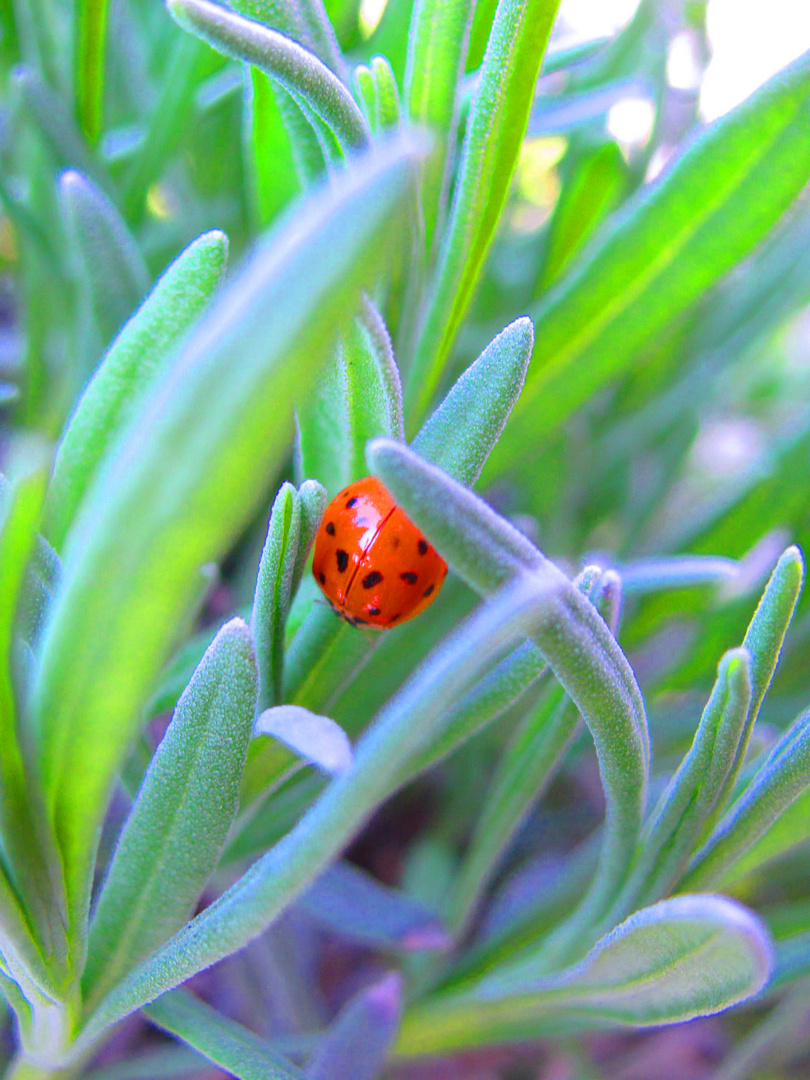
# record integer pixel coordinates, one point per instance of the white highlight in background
(630, 122)
(750, 42)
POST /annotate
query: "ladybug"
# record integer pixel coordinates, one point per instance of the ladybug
(374, 566)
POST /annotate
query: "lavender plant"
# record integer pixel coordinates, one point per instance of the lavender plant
(410, 300)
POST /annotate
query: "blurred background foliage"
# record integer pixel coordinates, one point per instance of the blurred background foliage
(697, 442)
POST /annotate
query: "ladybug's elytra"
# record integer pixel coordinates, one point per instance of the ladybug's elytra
(372, 563)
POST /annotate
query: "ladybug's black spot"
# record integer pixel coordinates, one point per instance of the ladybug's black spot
(357, 621)
(423, 547)
(351, 502)
(372, 579)
(322, 578)
(342, 559)
(330, 528)
(428, 591)
(409, 576)
(373, 610)
(395, 617)
(395, 543)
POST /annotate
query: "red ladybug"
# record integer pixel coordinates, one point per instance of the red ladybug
(373, 564)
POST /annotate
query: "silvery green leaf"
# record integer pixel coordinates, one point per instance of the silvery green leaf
(386, 94)
(783, 777)
(113, 274)
(317, 739)
(273, 594)
(176, 831)
(356, 1046)
(274, 881)
(682, 958)
(358, 907)
(224, 1042)
(495, 128)
(478, 404)
(190, 472)
(485, 550)
(299, 71)
(131, 363)
(311, 504)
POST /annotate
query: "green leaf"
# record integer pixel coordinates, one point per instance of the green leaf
(114, 278)
(270, 159)
(176, 831)
(189, 474)
(790, 829)
(356, 1046)
(783, 778)
(485, 551)
(410, 719)
(90, 32)
(140, 351)
(373, 388)
(273, 595)
(682, 958)
(386, 94)
(478, 404)
(358, 907)
(589, 194)
(763, 640)
(299, 71)
(311, 505)
(675, 826)
(317, 739)
(31, 894)
(674, 241)
(224, 1042)
(437, 50)
(521, 776)
(495, 130)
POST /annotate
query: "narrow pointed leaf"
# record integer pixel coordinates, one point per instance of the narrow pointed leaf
(317, 739)
(674, 241)
(224, 1042)
(373, 388)
(311, 504)
(298, 70)
(478, 404)
(386, 94)
(273, 594)
(187, 477)
(90, 35)
(356, 1046)
(495, 130)
(284, 872)
(177, 828)
(130, 365)
(437, 51)
(114, 276)
(358, 907)
(270, 159)
(682, 958)
(692, 794)
(783, 777)
(580, 649)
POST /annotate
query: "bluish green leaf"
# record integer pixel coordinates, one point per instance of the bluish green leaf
(675, 826)
(358, 907)
(386, 94)
(495, 130)
(114, 277)
(176, 831)
(273, 595)
(479, 404)
(682, 958)
(298, 70)
(317, 739)
(356, 1046)
(90, 29)
(224, 1042)
(131, 364)
(190, 473)
(783, 777)
(437, 50)
(485, 551)
(311, 504)
(270, 159)
(373, 388)
(673, 242)
(409, 720)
